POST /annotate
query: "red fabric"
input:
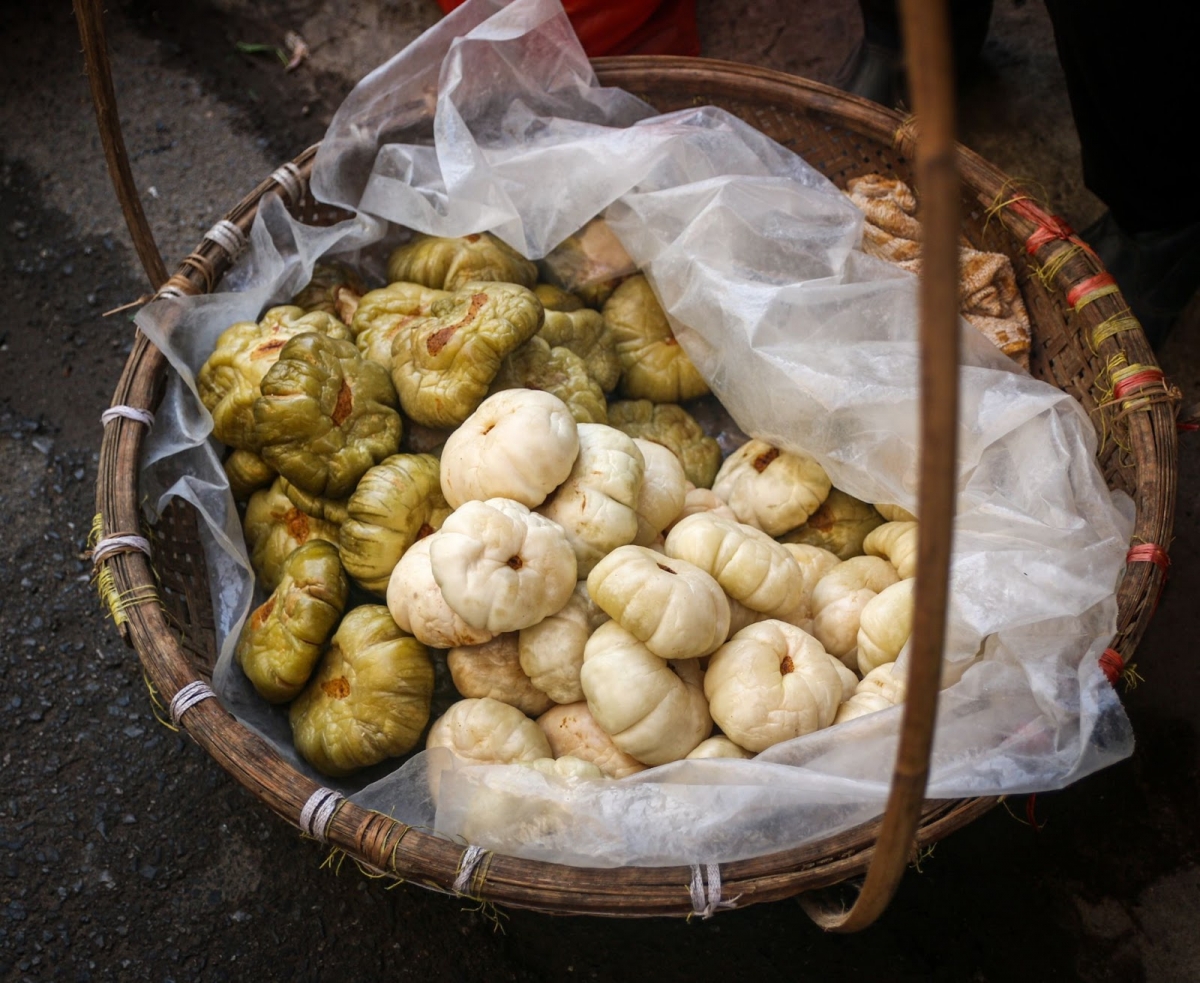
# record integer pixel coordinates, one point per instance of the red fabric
(629, 27)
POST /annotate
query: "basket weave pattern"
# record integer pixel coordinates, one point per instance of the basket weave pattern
(841, 136)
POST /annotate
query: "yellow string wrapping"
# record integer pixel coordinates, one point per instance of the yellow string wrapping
(923, 854)
(109, 598)
(1157, 391)
(481, 872)
(392, 862)
(156, 706)
(102, 576)
(1047, 273)
(117, 602)
(1104, 396)
(369, 872)
(1124, 373)
(1121, 321)
(1101, 428)
(1104, 381)
(96, 531)
(1093, 295)
(334, 860)
(1023, 822)
(1130, 677)
(490, 912)
(1000, 202)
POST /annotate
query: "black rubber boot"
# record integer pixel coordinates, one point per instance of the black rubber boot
(1158, 271)
(875, 68)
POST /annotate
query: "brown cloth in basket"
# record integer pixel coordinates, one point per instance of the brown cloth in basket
(989, 298)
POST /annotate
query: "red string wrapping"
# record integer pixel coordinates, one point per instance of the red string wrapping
(1113, 665)
(1088, 290)
(1050, 228)
(1187, 427)
(1028, 209)
(1031, 811)
(1043, 234)
(1137, 380)
(1149, 553)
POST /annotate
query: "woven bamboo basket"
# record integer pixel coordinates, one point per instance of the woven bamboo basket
(1084, 342)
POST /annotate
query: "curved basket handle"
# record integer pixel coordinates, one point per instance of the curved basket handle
(927, 53)
(90, 17)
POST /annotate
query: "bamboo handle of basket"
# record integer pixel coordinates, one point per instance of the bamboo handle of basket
(928, 60)
(90, 17)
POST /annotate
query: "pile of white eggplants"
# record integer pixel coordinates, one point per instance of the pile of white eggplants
(604, 615)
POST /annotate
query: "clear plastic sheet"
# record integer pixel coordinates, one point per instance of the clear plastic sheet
(494, 121)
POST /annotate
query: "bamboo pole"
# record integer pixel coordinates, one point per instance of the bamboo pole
(928, 61)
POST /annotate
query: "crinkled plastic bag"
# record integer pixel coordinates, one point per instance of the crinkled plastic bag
(494, 120)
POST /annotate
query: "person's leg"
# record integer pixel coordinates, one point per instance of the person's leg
(1133, 82)
(875, 69)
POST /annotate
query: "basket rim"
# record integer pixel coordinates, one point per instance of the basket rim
(386, 846)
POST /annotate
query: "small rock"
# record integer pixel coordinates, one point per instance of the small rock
(43, 444)
(107, 880)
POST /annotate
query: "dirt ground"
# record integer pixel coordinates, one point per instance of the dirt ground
(126, 854)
